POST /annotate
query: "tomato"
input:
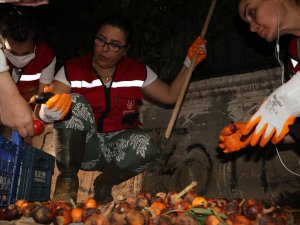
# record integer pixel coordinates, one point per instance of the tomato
(38, 127)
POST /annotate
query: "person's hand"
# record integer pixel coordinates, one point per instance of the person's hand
(276, 114)
(3, 64)
(15, 112)
(231, 138)
(56, 108)
(197, 48)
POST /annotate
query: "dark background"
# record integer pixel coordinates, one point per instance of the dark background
(164, 29)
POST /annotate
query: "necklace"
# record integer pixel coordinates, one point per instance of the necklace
(105, 79)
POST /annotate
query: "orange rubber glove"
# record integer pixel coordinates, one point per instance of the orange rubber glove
(276, 114)
(199, 48)
(56, 108)
(231, 138)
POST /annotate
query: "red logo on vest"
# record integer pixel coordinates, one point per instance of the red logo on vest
(130, 104)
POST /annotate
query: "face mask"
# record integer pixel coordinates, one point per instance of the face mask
(19, 61)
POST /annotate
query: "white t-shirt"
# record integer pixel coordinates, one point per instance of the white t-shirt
(61, 77)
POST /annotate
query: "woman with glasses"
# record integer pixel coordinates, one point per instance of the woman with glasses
(103, 131)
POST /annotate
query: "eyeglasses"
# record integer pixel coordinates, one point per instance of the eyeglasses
(114, 47)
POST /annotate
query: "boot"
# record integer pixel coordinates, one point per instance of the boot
(69, 150)
(103, 184)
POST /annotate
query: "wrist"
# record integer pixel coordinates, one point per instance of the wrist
(45, 119)
(290, 95)
(43, 115)
(187, 62)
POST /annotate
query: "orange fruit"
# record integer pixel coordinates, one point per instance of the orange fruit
(157, 207)
(90, 203)
(20, 202)
(76, 214)
(212, 220)
(199, 201)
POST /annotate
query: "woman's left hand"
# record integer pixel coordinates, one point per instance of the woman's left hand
(199, 48)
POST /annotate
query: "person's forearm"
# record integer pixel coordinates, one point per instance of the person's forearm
(7, 85)
(177, 84)
(14, 110)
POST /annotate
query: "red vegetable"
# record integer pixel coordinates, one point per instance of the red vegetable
(38, 127)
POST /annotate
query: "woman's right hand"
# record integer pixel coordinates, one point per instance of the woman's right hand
(56, 108)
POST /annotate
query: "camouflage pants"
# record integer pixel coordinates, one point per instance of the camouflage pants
(131, 149)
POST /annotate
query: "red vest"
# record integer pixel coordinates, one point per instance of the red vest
(115, 108)
(29, 81)
(293, 64)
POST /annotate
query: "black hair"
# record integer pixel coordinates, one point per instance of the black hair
(18, 27)
(120, 22)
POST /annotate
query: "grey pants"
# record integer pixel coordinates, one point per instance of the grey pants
(131, 149)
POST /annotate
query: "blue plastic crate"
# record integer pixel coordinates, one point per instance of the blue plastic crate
(25, 172)
(36, 172)
(10, 160)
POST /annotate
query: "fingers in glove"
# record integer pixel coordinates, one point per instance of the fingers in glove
(222, 138)
(277, 138)
(200, 54)
(257, 134)
(231, 148)
(47, 89)
(222, 145)
(62, 102)
(251, 124)
(51, 103)
(227, 148)
(198, 42)
(229, 129)
(266, 137)
(231, 143)
(199, 48)
(226, 131)
(245, 140)
(67, 105)
(240, 125)
(67, 109)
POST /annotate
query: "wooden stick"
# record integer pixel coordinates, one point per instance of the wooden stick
(188, 77)
(185, 190)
